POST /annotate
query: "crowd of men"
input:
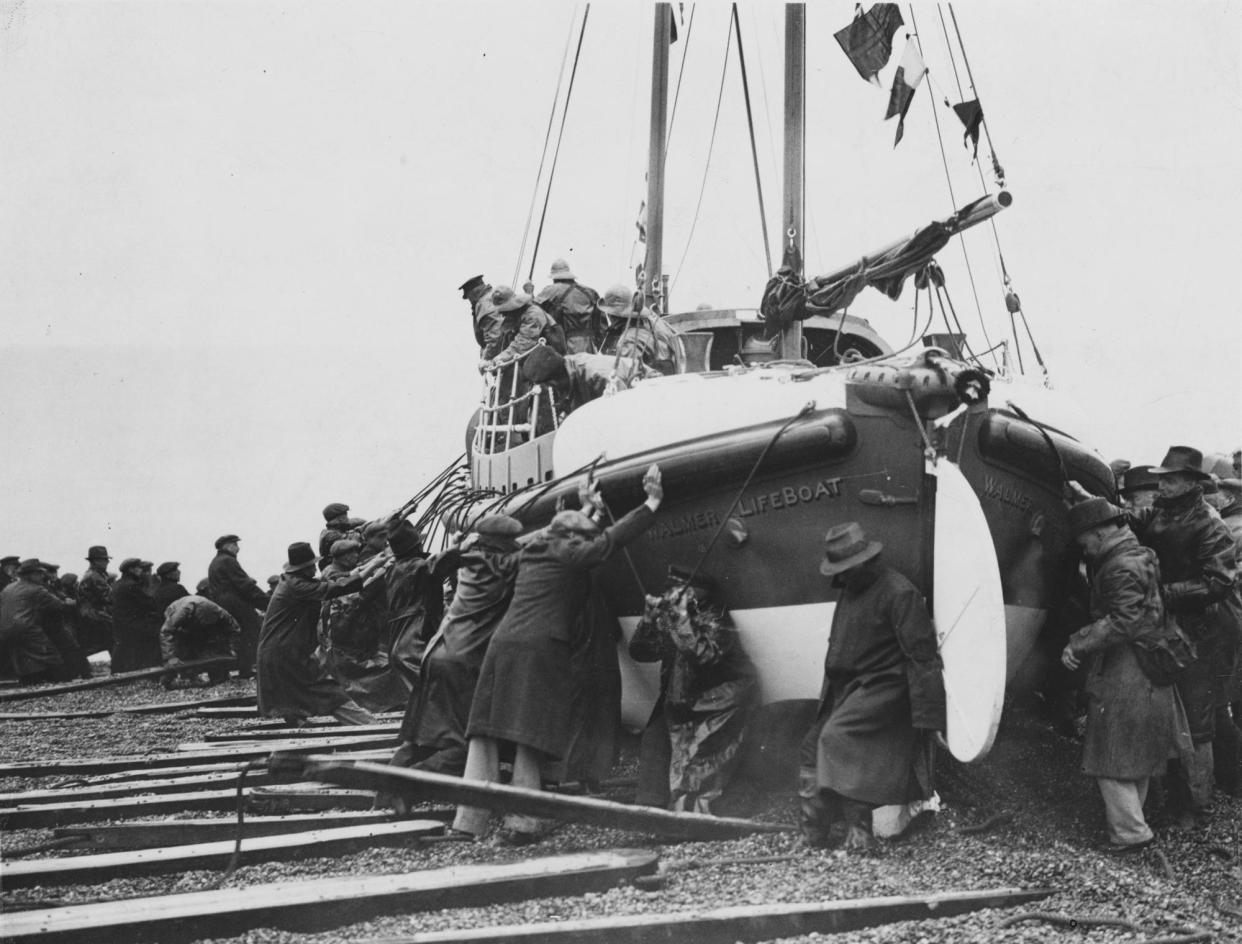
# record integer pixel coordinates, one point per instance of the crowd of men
(500, 647)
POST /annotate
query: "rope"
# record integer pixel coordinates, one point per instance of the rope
(547, 197)
(534, 195)
(724, 71)
(724, 519)
(754, 152)
(952, 197)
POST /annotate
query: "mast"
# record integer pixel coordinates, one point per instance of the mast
(653, 269)
(795, 160)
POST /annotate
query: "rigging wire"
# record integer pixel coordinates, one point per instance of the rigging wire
(547, 137)
(681, 70)
(754, 152)
(724, 72)
(547, 197)
(952, 198)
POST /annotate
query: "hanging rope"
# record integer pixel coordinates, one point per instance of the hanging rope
(547, 197)
(754, 152)
(724, 71)
(944, 159)
(547, 137)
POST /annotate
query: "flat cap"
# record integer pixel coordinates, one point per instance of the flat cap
(1092, 513)
(11, 559)
(334, 510)
(502, 525)
(344, 546)
(475, 281)
(47, 566)
(129, 563)
(32, 565)
(226, 539)
(167, 568)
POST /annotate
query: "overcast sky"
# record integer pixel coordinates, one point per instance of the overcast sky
(231, 233)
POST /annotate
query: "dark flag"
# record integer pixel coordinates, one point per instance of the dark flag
(868, 40)
(971, 115)
(910, 73)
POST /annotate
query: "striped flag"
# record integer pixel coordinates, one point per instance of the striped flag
(909, 74)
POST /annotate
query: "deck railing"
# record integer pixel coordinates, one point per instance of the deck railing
(503, 423)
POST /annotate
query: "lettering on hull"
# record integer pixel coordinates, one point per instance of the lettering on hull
(997, 490)
(750, 505)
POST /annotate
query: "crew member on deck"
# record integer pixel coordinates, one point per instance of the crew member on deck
(488, 322)
(573, 306)
(637, 332)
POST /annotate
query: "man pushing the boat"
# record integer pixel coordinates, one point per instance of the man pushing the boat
(882, 700)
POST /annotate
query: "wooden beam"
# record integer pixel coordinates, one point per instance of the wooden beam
(151, 835)
(422, 785)
(139, 775)
(206, 754)
(284, 733)
(741, 923)
(122, 679)
(320, 904)
(306, 797)
(154, 708)
(255, 747)
(213, 855)
(239, 712)
(107, 791)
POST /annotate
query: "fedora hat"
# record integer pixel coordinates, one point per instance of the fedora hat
(31, 565)
(97, 552)
(1092, 513)
(1185, 459)
(560, 270)
(301, 557)
(573, 522)
(845, 547)
(1138, 477)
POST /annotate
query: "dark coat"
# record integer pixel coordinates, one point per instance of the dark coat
(883, 696)
(233, 589)
(526, 686)
(438, 712)
(33, 638)
(167, 592)
(1133, 726)
(576, 309)
(136, 622)
(415, 586)
(94, 625)
(292, 683)
(353, 637)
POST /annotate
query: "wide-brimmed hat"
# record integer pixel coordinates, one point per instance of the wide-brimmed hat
(167, 568)
(97, 552)
(226, 539)
(405, 539)
(475, 281)
(501, 525)
(32, 565)
(1138, 477)
(130, 563)
(506, 299)
(845, 547)
(618, 302)
(1092, 513)
(573, 522)
(1185, 459)
(334, 510)
(560, 270)
(301, 557)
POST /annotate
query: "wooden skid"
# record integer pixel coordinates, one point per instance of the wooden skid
(109, 791)
(741, 923)
(154, 708)
(423, 785)
(257, 736)
(182, 831)
(123, 679)
(215, 753)
(213, 855)
(319, 904)
(62, 814)
(139, 775)
(304, 797)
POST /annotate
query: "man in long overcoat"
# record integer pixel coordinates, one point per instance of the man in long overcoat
(233, 589)
(291, 682)
(882, 702)
(135, 621)
(1197, 570)
(168, 588)
(95, 603)
(415, 600)
(33, 639)
(526, 687)
(1134, 725)
(433, 732)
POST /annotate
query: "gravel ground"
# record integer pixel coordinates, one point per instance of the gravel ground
(1050, 838)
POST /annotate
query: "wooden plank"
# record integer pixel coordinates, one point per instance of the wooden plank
(740, 923)
(154, 708)
(283, 733)
(227, 712)
(185, 831)
(139, 775)
(62, 814)
(320, 904)
(214, 855)
(423, 785)
(258, 748)
(123, 678)
(272, 724)
(217, 753)
(304, 797)
(106, 791)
